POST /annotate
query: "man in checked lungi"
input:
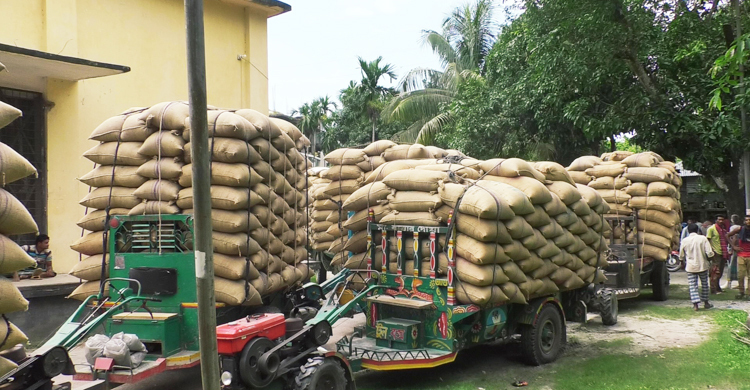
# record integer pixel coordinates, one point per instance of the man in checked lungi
(695, 250)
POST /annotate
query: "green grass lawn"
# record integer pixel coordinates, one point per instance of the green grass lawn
(719, 363)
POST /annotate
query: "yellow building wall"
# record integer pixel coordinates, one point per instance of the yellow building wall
(149, 37)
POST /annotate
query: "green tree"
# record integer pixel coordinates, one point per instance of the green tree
(313, 117)
(463, 45)
(370, 88)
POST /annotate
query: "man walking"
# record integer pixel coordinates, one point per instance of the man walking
(743, 257)
(694, 252)
(717, 236)
(685, 233)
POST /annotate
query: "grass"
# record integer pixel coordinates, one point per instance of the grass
(721, 362)
(669, 312)
(681, 292)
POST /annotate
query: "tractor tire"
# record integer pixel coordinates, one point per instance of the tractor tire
(543, 342)
(608, 306)
(660, 281)
(321, 374)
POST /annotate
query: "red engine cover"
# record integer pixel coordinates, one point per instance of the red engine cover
(233, 336)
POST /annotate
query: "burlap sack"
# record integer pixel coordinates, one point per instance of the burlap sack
(554, 172)
(534, 189)
(656, 253)
(341, 187)
(411, 218)
(357, 243)
(223, 174)
(12, 257)
(655, 228)
(640, 160)
(567, 193)
(414, 180)
(236, 244)
(669, 219)
(414, 201)
(155, 207)
(662, 189)
(127, 154)
(167, 115)
(14, 218)
(655, 240)
(260, 122)
(222, 198)
(10, 335)
(580, 177)
(454, 169)
(378, 147)
(90, 268)
(552, 230)
(660, 203)
(11, 299)
(101, 198)
(614, 196)
(165, 168)
(617, 155)
(555, 207)
(648, 175)
(358, 221)
(583, 163)
(228, 150)
(13, 166)
(603, 183)
(345, 156)
(342, 172)
(518, 228)
(161, 190)
(234, 268)
(124, 176)
(403, 152)
(478, 252)
(511, 167)
(534, 241)
(516, 251)
(8, 114)
(371, 164)
(606, 170)
(267, 152)
(134, 129)
(231, 292)
(482, 229)
(367, 196)
(87, 289)
(163, 144)
(488, 200)
(479, 275)
(90, 244)
(564, 240)
(359, 261)
(589, 195)
(94, 220)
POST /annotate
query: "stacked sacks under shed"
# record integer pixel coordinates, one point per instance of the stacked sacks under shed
(14, 220)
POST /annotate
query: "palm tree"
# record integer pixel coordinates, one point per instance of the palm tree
(313, 115)
(372, 72)
(323, 107)
(466, 40)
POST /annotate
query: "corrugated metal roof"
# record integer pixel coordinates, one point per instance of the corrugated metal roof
(685, 172)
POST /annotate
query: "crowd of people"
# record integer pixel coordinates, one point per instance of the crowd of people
(708, 249)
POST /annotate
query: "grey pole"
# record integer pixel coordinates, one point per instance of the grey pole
(203, 244)
(743, 112)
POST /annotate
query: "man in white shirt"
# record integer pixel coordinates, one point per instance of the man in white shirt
(695, 250)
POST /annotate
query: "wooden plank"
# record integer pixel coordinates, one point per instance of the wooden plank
(144, 316)
(402, 302)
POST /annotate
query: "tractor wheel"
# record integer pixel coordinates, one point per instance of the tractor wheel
(250, 371)
(321, 374)
(542, 342)
(660, 281)
(608, 307)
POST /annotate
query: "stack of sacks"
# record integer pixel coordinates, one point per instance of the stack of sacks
(641, 183)
(257, 175)
(14, 219)
(318, 225)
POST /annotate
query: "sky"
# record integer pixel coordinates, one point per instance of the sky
(313, 50)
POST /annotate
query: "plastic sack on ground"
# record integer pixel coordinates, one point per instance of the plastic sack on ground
(95, 347)
(132, 341)
(117, 350)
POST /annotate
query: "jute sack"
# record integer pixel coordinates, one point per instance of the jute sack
(483, 229)
(236, 244)
(165, 168)
(154, 189)
(370, 164)
(378, 147)
(127, 154)
(534, 241)
(554, 172)
(655, 228)
(90, 244)
(266, 150)
(479, 275)
(163, 144)
(358, 221)
(580, 177)
(564, 240)
(379, 173)
(567, 193)
(581, 208)
(512, 167)
(555, 207)
(619, 209)
(14, 218)
(8, 114)
(552, 230)
(641, 160)
(660, 203)
(234, 268)
(414, 180)
(549, 250)
(102, 176)
(223, 174)
(669, 219)
(10, 335)
(637, 189)
(11, 299)
(232, 292)
(567, 219)
(90, 268)
(544, 271)
(222, 198)
(455, 169)
(13, 166)
(478, 252)
(135, 129)
(475, 295)
(12, 257)
(367, 196)
(539, 218)
(648, 175)
(87, 289)
(345, 156)
(100, 198)
(414, 201)
(6, 366)
(341, 187)
(94, 220)
(227, 150)
(358, 242)
(590, 195)
(322, 215)
(231, 221)
(318, 226)
(516, 251)
(617, 155)
(338, 244)
(486, 199)
(655, 240)
(518, 228)
(534, 189)
(411, 218)
(109, 130)
(603, 183)
(610, 170)
(662, 189)
(583, 163)
(403, 152)
(359, 260)
(167, 115)
(288, 128)
(656, 253)
(342, 172)
(435, 151)
(614, 196)
(155, 207)
(261, 123)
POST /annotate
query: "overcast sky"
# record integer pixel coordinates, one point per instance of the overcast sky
(312, 50)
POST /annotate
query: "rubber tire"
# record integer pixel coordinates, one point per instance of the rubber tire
(660, 281)
(321, 374)
(608, 306)
(531, 337)
(676, 263)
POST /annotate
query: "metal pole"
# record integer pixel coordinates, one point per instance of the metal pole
(743, 113)
(203, 244)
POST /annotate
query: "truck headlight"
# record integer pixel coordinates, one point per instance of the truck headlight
(226, 378)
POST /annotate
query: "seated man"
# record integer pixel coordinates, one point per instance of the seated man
(41, 253)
